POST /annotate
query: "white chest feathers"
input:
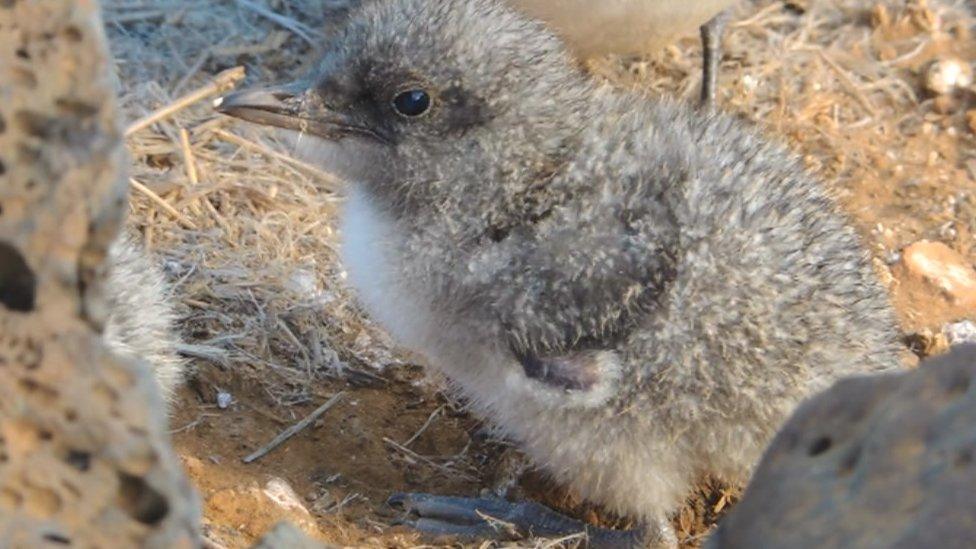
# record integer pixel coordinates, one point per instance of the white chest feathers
(369, 255)
(371, 248)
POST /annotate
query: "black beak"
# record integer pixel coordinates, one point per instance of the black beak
(280, 106)
(292, 107)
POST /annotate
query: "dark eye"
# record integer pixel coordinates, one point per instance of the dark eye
(412, 102)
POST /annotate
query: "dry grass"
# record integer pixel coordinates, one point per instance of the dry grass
(248, 235)
(247, 232)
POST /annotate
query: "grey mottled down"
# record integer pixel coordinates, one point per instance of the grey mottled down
(141, 319)
(637, 292)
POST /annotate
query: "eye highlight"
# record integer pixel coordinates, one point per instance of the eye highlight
(412, 102)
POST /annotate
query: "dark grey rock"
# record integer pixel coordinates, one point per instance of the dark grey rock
(885, 461)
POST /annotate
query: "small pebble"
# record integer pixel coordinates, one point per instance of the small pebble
(960, 332)
(224, 399)
(944, 268)
(279, 491)
(945, 76)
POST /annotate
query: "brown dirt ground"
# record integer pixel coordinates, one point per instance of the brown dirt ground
(272, 324)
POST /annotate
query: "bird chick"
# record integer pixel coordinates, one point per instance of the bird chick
(141, 317)
(636, 26)
(636, 292)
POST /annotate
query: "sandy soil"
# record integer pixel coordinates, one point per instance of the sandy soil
(276, 332)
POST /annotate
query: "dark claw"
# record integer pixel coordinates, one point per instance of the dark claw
(398, 500)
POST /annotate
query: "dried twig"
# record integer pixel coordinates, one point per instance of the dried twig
(218, 356)
(330, 180)
(298, 343)
(188, 160)
(193, 175)
(190, 164)
(306, 33)
(578, 540)
(758, 16)
(904, 59)
(224, 81)
(274, 41)
(291, 431)
(336, 507)
(192, 424)
(424, 427)
(414, 455)
(135, 16)
(499, 525)
(844, 78)
(158, 200)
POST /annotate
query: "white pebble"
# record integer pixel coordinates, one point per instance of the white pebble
(224, 399)
(945, 76)
(960, 332)
(279, 491)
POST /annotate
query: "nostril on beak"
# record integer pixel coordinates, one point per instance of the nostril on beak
(283, 95)
(280, 99)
